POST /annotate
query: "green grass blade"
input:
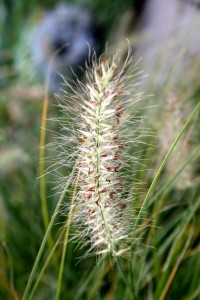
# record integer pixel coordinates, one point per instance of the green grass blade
(39, 276)
(66, 239)
(35, 266)
(163, 164)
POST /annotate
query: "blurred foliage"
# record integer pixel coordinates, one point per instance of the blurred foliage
(166, 263)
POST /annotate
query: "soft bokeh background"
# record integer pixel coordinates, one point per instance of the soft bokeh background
(167, 261)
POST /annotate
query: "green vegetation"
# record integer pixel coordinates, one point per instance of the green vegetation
(165, 258)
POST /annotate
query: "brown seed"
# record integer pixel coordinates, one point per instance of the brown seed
(88, 196)
(115, 137)
(117, 167)
(91, 211)
(121, 203)
(116, 156)
(109, 169)
(118, 114)
(81, 140)
(90, 171)
(123, 145)
(97, 202)
(119, 107)
(97, 176)
(91, 189)
(111, 194)
(103, 190)
(82, 165)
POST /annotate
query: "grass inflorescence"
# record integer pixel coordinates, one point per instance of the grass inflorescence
(101, 109)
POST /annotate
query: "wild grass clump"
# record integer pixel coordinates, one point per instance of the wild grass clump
(163, 249)
(99, 131)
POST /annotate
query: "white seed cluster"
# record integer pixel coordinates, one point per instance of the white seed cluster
(100, 108)
(100, 196)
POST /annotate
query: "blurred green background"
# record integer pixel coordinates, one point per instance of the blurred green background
(167, 261)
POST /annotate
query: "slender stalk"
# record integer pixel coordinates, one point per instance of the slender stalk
(12, 286)
(39, 276)
(130, 288)
(194, 156)
(66, 239)
(176, 266)
(45, 214)
(37, 260)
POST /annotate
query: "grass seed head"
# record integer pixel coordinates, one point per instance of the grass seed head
(102, 109)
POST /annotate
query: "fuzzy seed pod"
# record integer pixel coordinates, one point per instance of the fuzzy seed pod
(102, 109)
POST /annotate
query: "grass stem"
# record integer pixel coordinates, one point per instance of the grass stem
(164, 163)
(66, 239)
(37, 260)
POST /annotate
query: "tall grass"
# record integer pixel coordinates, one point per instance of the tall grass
(164, 259)
(132, 273)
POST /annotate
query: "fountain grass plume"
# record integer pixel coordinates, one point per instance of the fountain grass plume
(95, 124)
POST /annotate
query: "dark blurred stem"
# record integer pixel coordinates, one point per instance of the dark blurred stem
(44, 206)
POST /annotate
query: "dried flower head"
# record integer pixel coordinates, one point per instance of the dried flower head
(172, 120)
(100, 140)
